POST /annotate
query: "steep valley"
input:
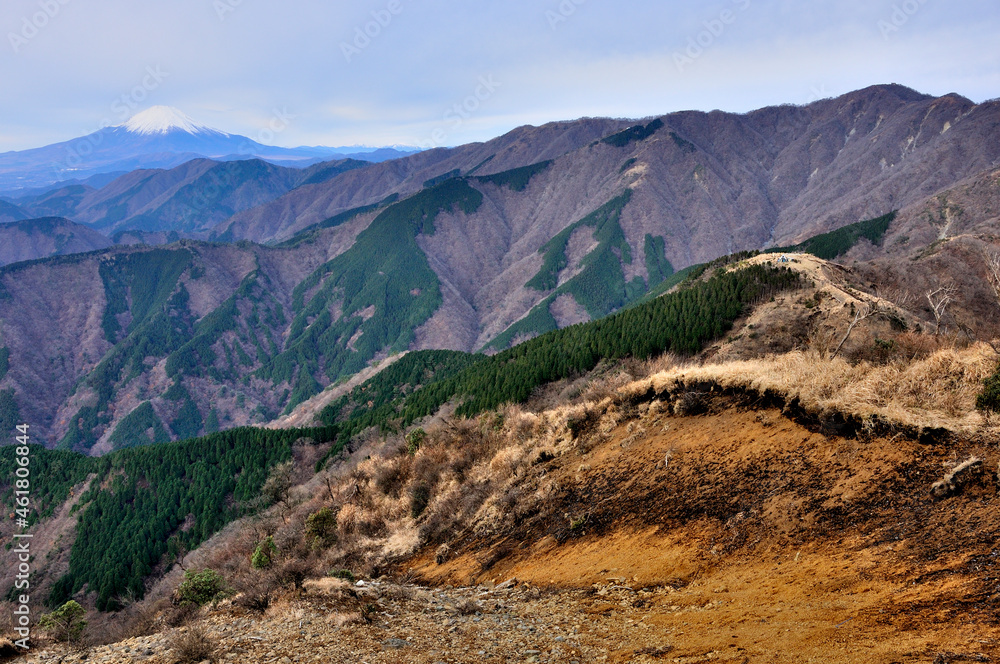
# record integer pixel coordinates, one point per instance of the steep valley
(471, 249)
(686, 522)
(701, 387)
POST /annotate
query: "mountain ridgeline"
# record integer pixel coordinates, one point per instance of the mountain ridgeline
(145, 505)
(189, 199)
(274, 339)
(495, 269)
(158, 137)
(313, 275)
(681, 322)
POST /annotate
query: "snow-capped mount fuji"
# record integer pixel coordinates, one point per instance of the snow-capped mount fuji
(158, 137)
(163, 120)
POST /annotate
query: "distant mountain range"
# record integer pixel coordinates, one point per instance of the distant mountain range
(10, 212)
(160, 137)
(51, 236)
(470, 248)
(189, 200)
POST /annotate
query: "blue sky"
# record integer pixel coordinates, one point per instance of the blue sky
(444, 72)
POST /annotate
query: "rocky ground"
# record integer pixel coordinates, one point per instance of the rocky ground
(735, 535)
(388, 622)
(833, 620)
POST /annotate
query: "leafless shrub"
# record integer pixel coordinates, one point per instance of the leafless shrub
(519, 424)
(293, 572)
(359, 520)
(915, 346)
(181, 614)
(276, 489)
(583, 420)
(467, 607)
(453, 508)
(192, 645)
(506, 462)
(391, 475)
(429, 464)
(690, 403)
(137, 619)
(867, 309)
(255, 591)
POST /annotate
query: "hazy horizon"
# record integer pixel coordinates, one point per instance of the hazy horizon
(445, 73)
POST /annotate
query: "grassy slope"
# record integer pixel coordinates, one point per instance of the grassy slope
(680, 322)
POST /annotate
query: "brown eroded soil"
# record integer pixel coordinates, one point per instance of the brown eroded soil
(731, 536)
(776, 543)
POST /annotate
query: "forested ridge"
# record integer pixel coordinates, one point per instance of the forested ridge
(271, 340)
(682, 322)
(146, 504)
(599, 286)
(383, 286)
(834, 244)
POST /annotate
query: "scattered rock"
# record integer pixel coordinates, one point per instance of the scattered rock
(956, 478)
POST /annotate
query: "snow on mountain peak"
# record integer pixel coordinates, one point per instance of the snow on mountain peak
(162, 119)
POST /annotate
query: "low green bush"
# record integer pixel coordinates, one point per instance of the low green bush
(263, 556)
(202, 587)
(989, 399)
(65, 623)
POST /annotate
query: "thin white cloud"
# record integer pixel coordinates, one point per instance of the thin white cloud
(553, 59)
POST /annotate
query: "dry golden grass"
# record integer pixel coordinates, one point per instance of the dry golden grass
(346, 619)
(480, 476)
(325, 586)
(481, 472)
(937, 391)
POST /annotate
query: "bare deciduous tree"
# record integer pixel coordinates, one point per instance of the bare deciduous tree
(992, 259)
(182, 552)
(868, 309)
(939, 299)
(278, 485)
(898, 297)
